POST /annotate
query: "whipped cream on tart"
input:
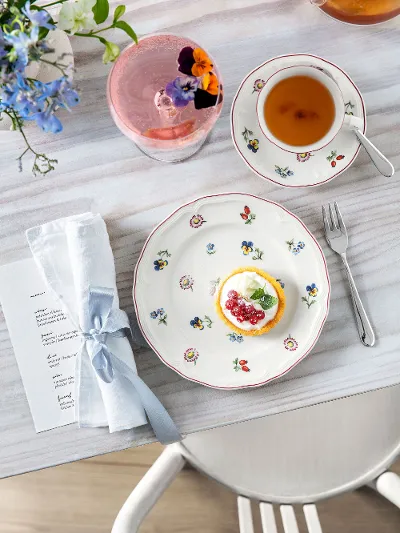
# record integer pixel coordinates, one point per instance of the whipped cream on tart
(250, 301)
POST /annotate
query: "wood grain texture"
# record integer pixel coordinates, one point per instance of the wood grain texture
(102, 171)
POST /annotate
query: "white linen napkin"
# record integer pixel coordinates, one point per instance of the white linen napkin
(74, 255)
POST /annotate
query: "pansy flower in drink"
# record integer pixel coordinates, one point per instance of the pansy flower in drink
(200, 84)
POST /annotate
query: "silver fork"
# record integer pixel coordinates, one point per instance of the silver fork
(336, 235)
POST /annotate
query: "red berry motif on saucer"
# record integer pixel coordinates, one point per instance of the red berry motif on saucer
(333, 157)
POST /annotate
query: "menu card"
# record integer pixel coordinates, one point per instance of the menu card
(45, 343)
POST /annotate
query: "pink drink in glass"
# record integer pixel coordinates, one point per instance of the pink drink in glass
(143, 111)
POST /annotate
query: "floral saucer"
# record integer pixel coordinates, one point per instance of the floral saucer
(185, 259)
(273, 163)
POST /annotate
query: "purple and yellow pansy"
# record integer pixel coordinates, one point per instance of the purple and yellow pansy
(199, 83)
(312, 290)
(247, 247)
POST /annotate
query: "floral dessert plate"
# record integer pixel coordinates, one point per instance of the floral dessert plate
(286, 168)
(191, 252)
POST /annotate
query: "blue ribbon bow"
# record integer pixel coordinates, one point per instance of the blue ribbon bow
(101, 321)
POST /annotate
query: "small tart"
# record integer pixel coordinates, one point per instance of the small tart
(247, 329)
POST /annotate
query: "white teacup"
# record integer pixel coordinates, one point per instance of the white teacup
(340, 120)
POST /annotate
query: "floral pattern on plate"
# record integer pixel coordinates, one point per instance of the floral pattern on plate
(240, 364)
(281, 283)
(302, 158)
(312, 293)
(160, 264)
(214, 285)
(295, 248)
(252, 144)
(290, 344)
(249, 248)
(191, 355)
(198, 323)
(161, 315)
(189, 331)
(258, 85)
(348, 108)
(247, 215)
(234, 337)
(210, 248)
(197, 221)
(333, 157)
(284, 172)
(186, 282)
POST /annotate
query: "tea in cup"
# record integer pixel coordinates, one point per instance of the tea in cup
(301, 109)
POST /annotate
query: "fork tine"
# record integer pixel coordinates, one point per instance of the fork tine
(340, 218)
(326, 220)
(333, 217)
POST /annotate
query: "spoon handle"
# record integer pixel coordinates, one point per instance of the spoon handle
(384, 166)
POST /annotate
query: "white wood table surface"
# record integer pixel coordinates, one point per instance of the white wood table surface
(102, 171)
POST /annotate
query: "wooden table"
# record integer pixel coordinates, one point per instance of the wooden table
(102, 171)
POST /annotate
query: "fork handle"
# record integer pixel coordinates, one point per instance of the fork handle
(364, 327)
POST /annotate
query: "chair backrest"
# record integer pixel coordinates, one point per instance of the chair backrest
(268, 519)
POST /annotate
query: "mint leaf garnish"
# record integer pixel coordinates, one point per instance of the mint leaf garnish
(257, 294)
(267, 301)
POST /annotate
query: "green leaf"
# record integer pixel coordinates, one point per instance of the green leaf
(111, 52)
(257, 294)
(101, 10)
(119, 12)
(124, 26)
(268, 301)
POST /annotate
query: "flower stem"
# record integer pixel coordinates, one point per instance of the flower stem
(41, 164)
(54, 64)
(53, 3)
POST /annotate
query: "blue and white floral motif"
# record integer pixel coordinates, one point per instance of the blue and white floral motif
(161, 315)
(210, 248)
(284, 172)
(295, 248)
(234, 337)
(281, 283)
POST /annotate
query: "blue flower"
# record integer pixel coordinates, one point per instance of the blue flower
(47, 121)
(281, 283)
(159, 264)
(247, 247)
(61, 91)
(210, 248)
(38, 17)
(22, 44)
(300, 245)
(182, 90)
(295, 250)
(239, 338)
(290, 173)
(253, 145)
(160, 311)
(232, 337)
(197, 323)
(154, 314)
(312, 290)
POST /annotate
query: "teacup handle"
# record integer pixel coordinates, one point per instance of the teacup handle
(384, 166)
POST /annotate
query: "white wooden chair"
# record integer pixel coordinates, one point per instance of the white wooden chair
(298, 457)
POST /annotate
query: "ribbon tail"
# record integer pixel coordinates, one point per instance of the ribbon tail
(163, 426)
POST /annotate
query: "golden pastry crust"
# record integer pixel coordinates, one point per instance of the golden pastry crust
(269, 325)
